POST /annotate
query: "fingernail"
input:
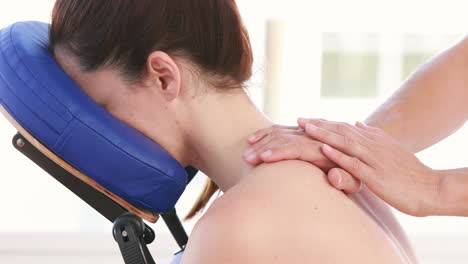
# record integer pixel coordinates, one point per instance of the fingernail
(252, 138)
(339, 179)
(267, 154)
(248, 152)
(301, 120)
(251, 157)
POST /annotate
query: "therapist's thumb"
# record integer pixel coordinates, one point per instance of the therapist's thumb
(342, 180)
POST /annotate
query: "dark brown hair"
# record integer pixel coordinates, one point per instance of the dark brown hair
(121, 34)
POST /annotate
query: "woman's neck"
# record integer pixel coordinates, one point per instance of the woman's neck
(220, 126)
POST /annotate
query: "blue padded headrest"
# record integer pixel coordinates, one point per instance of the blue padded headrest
(48, 104)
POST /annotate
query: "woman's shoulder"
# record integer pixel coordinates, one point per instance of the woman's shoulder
(292, 184)
(270, 188)
(283, 213)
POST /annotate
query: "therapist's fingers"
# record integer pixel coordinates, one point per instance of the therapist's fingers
(342, 128)
(275, 138)
(325, 124)
(352, 165)
(348, 142)
(299, 149)
(261, 134)
(342, 180)
(371, 131)
(289, 146)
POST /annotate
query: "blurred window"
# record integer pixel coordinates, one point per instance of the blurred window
(420, 48)
(349, 65)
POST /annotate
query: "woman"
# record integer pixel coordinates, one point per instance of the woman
(174, 70)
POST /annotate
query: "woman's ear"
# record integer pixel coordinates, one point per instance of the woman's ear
(164, 74)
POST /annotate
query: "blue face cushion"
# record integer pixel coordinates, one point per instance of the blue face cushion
(49, 105)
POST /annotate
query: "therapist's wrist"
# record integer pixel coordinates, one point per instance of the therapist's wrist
(453, 193)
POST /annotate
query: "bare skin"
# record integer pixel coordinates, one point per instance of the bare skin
(290, 143)
(287, 213)
(429, 107)
(275, 213)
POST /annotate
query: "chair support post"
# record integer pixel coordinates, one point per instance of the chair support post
(129, 232)
(176, 228)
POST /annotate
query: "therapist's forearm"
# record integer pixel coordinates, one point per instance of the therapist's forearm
(431, 105)
(453, 199)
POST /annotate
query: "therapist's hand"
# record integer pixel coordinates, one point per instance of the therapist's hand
(292, 142)
(376, 159)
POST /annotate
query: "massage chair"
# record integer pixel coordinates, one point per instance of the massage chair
(125, 176)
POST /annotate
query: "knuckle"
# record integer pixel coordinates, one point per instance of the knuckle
(355, 165)
(325, 136)
(341, 158)
(275, 133)
(344, 128)
(283, 140)
(315, 144)
(349, 142)
(316, 121)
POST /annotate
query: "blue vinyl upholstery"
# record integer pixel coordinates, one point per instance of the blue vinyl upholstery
(50, 106)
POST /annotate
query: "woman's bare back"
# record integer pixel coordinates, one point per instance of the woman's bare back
(287, 213)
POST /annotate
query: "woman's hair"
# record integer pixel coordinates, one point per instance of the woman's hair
(121, 34)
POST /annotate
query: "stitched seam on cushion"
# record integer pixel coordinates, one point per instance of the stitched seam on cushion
(64, 136)
(29, 130)
(15, 95)
(34, 76)
(105, 138)
(27, 106)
